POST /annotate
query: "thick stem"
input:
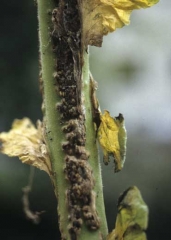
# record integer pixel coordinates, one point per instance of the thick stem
(55, 136)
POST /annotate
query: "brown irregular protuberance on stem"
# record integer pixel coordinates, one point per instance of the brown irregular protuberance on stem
(66, 38)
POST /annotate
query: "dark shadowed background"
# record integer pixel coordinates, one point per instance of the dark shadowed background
(133, 73)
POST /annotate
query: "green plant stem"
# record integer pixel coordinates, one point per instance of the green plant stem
(54, 135)
(91, 146)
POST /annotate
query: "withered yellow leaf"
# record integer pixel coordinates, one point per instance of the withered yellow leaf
(132, 217)
(112, 138)
(101, 17)
(27, 143)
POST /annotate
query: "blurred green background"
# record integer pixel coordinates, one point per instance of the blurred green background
(133, 73)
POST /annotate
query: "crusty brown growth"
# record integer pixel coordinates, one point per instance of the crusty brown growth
(66, 39)
(89, 213)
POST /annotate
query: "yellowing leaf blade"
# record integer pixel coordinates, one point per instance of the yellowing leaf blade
(132, 217)
(101, 17)
(112, 138)
(27, 143)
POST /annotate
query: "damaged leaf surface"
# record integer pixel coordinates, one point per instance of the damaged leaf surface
(27, 143)
(101, 17)
(112, 138)
(132, 217)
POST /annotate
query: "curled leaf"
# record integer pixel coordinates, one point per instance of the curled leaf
(27, 143)
(95, 103)
(101, 17)
(112, 138)
(132, 217)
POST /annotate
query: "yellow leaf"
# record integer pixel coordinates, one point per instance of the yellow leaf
(112, 138)
(27, 143)
(101, 17)
(132, 217)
